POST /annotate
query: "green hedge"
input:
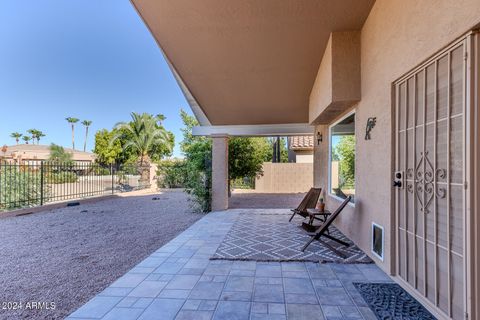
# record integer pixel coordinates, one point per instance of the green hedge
(61, 177)
(18, 187)
(172, 174)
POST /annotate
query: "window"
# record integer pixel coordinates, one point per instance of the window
(342, 158)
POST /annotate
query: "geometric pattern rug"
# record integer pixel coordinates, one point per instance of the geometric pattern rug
(271, 237)
(390, 301)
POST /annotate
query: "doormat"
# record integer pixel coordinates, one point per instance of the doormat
(271, 237)
(392, 302)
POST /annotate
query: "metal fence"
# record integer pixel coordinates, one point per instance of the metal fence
(35, 183)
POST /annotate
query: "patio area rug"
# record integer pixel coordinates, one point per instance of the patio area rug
(270, 237)
(392, 302)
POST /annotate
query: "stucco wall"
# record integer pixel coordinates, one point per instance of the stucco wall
(337, 85)
(397, 36)
(285, 178)
(304, 156)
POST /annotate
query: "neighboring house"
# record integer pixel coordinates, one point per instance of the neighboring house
(300, 149)
(33, 152)
(335, 69)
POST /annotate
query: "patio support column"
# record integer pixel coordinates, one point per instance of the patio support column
(219, 172)
(320, 157)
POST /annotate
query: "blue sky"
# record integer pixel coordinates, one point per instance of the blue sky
(89, 59)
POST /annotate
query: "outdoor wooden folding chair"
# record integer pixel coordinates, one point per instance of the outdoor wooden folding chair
(308, 202)
(323, 230)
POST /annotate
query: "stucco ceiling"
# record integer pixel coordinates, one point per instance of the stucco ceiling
(249, 61)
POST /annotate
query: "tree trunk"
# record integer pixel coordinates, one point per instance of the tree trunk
(86, 136)
(144, 170)
(73, 137)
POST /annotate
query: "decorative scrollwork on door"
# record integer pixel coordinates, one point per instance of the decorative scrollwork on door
(424, 178)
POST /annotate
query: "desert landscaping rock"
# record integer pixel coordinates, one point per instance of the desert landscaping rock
(68, 255)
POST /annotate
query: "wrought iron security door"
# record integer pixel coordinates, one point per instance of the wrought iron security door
(424, 182)
(430, 199)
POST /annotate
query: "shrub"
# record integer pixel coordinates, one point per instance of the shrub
(172, 174)
(100, 171)
(199, 184)
(19, 187)
(243, 183)
(61, 177)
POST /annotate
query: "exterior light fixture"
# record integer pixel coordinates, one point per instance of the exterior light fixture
(319, 137)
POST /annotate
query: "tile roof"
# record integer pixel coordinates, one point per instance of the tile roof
(301, 142)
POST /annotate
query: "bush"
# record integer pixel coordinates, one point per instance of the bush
(20, 187)
(199, 184)
(243, 183)
(172, 174)
(61, 177)
(100, 171)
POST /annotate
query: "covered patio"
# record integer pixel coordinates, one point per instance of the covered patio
(181, 281)
(391, 97)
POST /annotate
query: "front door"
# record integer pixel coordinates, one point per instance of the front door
(431, 180)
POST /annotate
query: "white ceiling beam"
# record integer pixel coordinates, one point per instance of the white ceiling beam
(266, 130)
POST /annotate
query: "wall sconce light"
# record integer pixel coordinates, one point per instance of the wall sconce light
(319, 137)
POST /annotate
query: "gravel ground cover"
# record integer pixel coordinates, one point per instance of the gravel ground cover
(68, 255)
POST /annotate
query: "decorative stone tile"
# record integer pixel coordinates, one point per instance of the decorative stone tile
(148, 289)
(151, 262)
(186, 282)
(167, 308)
(350, 312)
(331, 312)
(207, 305)
(302, 286)
(115, 292)
(333, 296)
(174, 293)
(194, 315)
(96, 307)
(304, 312)
(123, 314)
(142, 303)
(269, 293)
(127, 302)
(266, 280)
(301, 298)
(276, 308)
(207, 290)
(195, 287)
(236, 283)
(129, 280)
(259, 307)
(191, 304)
(259, 316)
(232, 310)
(236, 296)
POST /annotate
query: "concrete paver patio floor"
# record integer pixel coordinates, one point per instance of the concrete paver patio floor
(178, 281)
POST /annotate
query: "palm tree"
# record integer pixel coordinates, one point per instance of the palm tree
(33, 134)
(72, 121)
(16, 136)
(39, 134)
(26, 139)
(145, 132)
(36, 135)
(87, 124)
